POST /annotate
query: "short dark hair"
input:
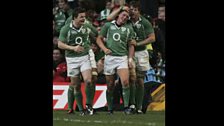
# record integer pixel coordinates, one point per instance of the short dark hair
(135, 4)
(77, 11)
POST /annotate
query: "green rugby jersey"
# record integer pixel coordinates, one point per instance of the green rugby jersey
(142, 29)
(72, 36)
(117, 38)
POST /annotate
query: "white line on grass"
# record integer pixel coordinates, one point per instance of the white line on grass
(104, 122)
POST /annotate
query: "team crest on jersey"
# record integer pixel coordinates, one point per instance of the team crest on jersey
(112, 27)
(83, 31)
(123, 29)
(138, 26)
(74, 32)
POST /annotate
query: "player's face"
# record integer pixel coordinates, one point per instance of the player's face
(123, 17)
(134, 12)
(81, 18)
(56, 55)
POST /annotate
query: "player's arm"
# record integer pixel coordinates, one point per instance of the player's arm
(100, 43)
(131, 52)
(150, 32)
(148, 40)
(93, 31)
(64, 46)
(100, 39)
(115, 13)
(131, 49)
(121, 2)
(68, 20)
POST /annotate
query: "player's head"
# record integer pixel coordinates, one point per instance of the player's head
(122, 17)
(134, 9)
(79, 15)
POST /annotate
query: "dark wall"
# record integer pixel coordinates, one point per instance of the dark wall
(150, 7)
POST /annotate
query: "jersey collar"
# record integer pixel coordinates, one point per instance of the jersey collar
(139, 19)
(71, 26)
(113, 22)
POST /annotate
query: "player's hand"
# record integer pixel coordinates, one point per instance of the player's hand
(78, 49)
(126, 8)
(107, 51)
(130, 63)
(133, 42)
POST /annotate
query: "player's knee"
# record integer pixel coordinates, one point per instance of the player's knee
(77, 87)
(71, 87)
(88, 82)
(132, 79)
(125, 83)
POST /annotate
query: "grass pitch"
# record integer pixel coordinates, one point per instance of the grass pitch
(151, 118)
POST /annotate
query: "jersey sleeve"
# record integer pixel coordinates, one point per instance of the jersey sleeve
(63, 34)
(93, 31)
(69, 20)
(148, 27)
(104, 29)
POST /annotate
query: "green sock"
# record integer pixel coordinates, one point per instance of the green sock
(71, 97)
(139, 96)
(110, 99)
(88, 94)
(132, 94)
(126, 95)
(78, 97)
(93, 88)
